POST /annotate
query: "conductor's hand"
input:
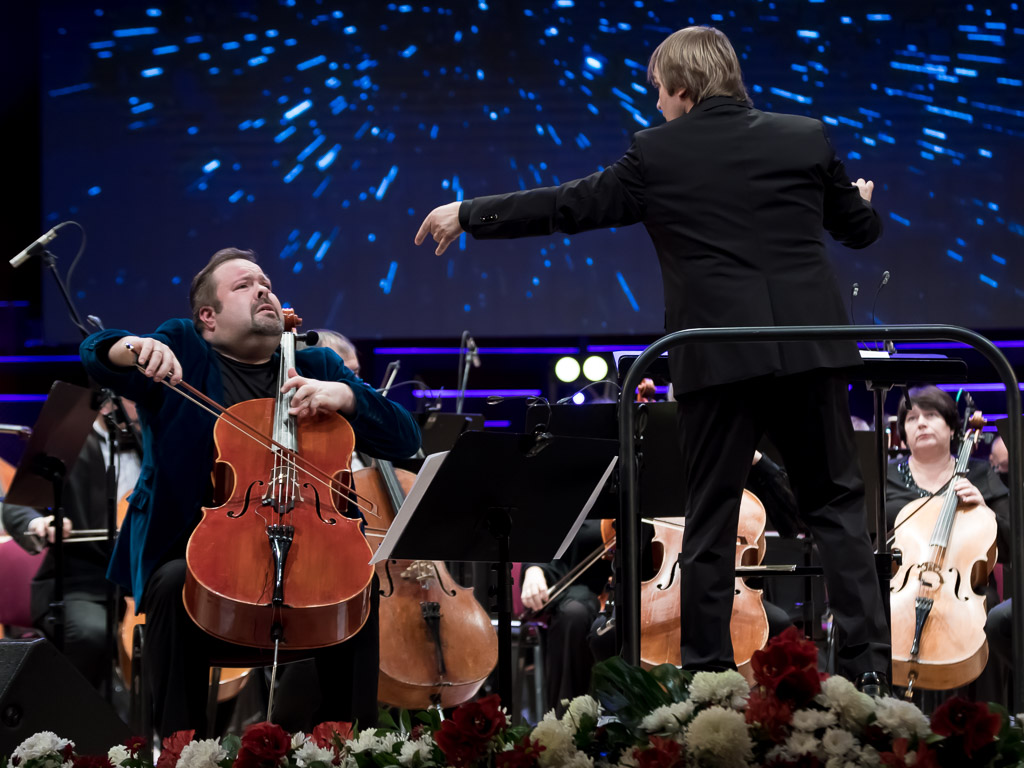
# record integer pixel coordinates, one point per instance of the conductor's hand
(535, 588)
(42, 528)
(865, 188)
(313, 396)
(967, 492)
(442, 224)
(155, 356)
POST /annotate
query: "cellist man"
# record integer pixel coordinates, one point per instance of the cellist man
(227, 350)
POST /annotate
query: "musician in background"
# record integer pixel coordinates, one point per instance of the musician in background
(227, 350)
(85, 563)
(570, 614)
(930, 430)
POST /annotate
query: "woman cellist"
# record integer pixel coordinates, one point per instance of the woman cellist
(228, 351)
(930, 429)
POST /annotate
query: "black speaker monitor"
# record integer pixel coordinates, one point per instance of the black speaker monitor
(40, 690)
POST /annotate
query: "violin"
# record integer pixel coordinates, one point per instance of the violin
(659, 596)
(937, 595)
(437, 643)
(279, 563)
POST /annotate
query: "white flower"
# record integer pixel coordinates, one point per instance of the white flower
(369, 741)
(837, 742)
(578, 760)
(556, 738)
(728, 689)
(308, 753)
(298, 739)
(851, 706)
(205, 753)
(901, 718)
(578, 708)
(627, 759)
(812, 719)
(416, 751)
(40, 744)
(670, 718)
(800, 743)
(719, 736)
(118, 754)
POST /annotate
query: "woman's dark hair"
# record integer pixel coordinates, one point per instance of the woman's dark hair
(932, 399)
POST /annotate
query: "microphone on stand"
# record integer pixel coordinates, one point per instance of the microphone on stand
(472, 352)
(881, 285)
(16, 429)
(37, 246)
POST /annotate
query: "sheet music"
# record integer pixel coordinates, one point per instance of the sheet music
(423, 479)
(586, 508)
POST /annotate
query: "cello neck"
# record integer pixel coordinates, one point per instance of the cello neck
(944, 525)
(284, 423)
(396, 495)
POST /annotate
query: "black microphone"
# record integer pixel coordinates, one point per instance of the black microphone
(881, 285)
(854, 290)
(36, 247)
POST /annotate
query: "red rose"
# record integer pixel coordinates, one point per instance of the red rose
(172, 747)
(970, 721)
(464, 736)
(134, 744)
(522, 755)
(68, 752)
(663, 753)
(92, 761)
(771, 714)
(788, 667)
(324, 735)
(460, 749)
(263, 746)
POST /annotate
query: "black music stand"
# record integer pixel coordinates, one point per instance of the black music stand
(498, 497)
(57, 438)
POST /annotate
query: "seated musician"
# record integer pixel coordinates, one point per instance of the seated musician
(85, 562)
(930, 430)
(568, 657)
(227, 350)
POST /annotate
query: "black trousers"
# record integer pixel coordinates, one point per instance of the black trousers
(85, 631)
(177, 665)
(569, 659)
(807, 417)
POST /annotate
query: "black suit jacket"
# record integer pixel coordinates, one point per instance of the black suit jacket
(737, 202)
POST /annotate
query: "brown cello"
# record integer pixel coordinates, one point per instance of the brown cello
(279, 563)
(659, 596)
(437, 643)
(937, 595)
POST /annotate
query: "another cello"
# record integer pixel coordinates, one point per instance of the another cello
(279, 563)
(659, 596)
(437, 643)
(937, 595)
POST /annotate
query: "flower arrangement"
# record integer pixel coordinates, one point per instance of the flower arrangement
(665, 718)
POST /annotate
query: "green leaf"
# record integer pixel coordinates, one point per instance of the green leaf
(674, 680)
(385, 720)
(626, 691)
(406, 720)
(231, 743)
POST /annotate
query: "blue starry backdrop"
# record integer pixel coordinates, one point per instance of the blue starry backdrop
(320, 134)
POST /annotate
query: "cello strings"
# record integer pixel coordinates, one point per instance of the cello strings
(334, 486)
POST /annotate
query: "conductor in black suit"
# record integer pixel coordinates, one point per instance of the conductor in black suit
(737, 202)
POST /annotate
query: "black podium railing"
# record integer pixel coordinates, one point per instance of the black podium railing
(629, 515)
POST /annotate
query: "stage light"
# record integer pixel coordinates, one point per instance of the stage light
(595, 368)
(567, 369)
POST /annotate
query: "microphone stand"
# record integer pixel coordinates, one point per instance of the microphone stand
(465, 361)
(57, 605)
